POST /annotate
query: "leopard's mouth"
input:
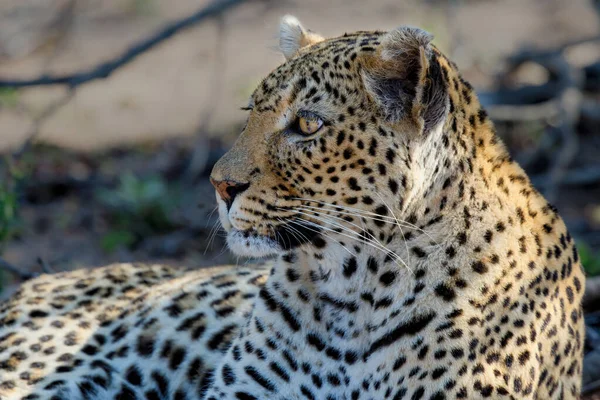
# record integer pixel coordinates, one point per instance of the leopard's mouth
(251, 243)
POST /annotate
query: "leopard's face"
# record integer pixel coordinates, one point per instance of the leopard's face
(319, 155)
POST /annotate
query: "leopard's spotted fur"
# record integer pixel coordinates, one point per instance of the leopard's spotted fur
(414, 258)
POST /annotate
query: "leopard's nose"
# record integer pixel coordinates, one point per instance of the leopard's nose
(228, 190)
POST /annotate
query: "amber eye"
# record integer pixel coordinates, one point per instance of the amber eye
(309, 123)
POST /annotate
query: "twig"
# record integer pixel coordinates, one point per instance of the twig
(576, 177)
(522, 113)
(528, 54)
(5, 265)
(590, 387)
(592, 292)
(560, 98)
(41, 118)
(105, 69)
(59, 29)
(45, 266)
(596, 5)
(570, 105)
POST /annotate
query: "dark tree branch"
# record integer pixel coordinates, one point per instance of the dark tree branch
(45, 266)
(23, 275)
(528, 54)
(561, 98)
(41, 118)
(101, 71)
(104, 70)
(577, 177)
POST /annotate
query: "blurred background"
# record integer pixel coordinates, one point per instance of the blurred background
(112, 113)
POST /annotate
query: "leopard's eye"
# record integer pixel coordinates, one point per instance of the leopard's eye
(309, 124)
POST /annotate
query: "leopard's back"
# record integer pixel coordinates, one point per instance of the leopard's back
(124, 331)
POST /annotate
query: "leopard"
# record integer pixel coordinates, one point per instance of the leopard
(401, 254)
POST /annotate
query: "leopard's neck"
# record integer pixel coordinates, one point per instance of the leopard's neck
(356, 303)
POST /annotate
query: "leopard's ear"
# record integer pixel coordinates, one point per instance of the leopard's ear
(405, 79)
(293, 36)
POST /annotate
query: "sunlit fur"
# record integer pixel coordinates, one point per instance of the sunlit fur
(412, 257)
(407, 174)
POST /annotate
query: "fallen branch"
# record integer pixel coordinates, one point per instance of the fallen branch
(592, 292)
(5, 265)
(560, 98)
(45, 266)
(528, 54)
(104, 70)
(41, 118)
(576, 177)
(502, 112)
(591, 363)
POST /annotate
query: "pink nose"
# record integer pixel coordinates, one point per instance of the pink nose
(228, 190)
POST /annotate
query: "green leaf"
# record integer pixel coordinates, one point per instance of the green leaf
(9, 97)
(115, 239)
(589, 260)
(8, 212)
(141, 206)
(144, 7)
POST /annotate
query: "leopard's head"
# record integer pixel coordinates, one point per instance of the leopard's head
(340, 138)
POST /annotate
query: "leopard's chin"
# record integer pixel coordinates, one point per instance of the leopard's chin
(251, 244)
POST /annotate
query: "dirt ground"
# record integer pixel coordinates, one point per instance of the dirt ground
(201, 77)
(171, 100)
(120, 172)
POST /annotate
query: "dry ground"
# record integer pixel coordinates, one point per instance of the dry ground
(170, 91)
(150, 115)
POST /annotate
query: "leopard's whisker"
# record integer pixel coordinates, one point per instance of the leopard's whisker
(358, 211)
(387, 220)
(361, 212)
(212, 212)
(283, 238)
(395, 259)
(297, 234)
(398, 224)
(371, 242)
(303, 223)
(212, 235)
(367, 215)
(223, 250)
(320, 214)
(367, 241)
(280, 236)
